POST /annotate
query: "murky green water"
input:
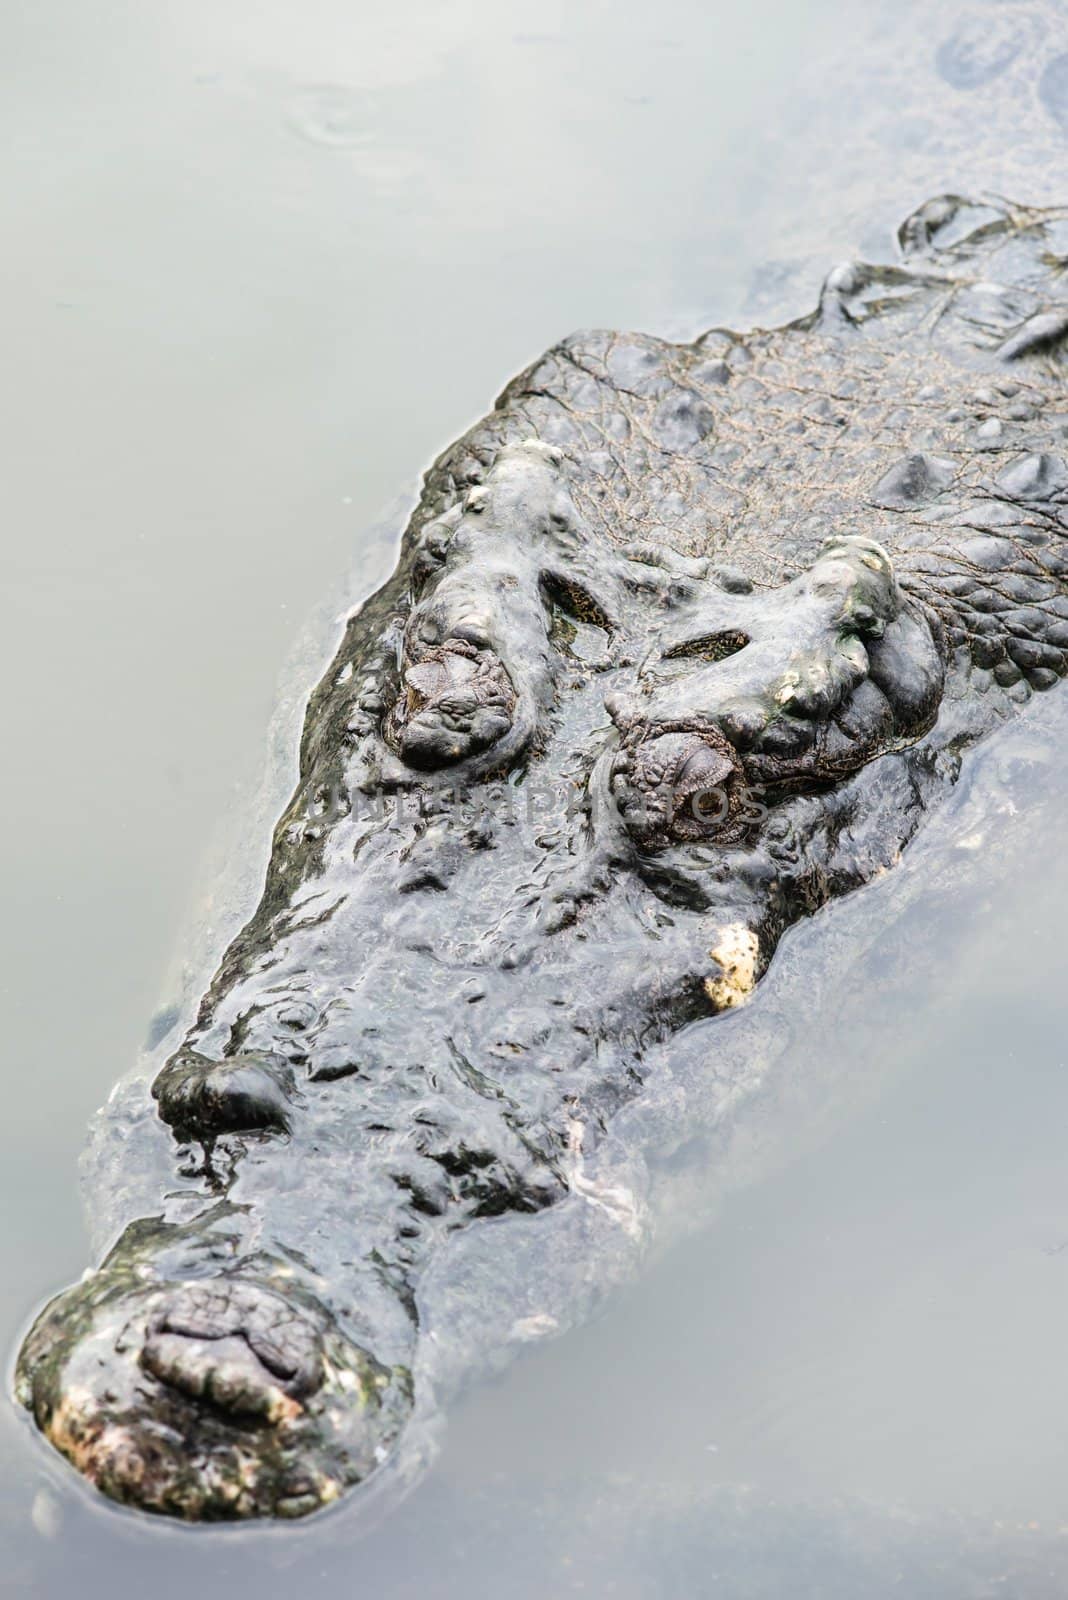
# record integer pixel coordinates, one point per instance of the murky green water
(260, 263)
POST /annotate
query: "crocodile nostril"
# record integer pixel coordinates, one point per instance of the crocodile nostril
(236, 1345)
(225, 1372)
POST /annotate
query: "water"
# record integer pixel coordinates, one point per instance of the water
(259, 267)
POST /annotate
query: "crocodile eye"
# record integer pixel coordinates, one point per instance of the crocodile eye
(709, 646)
(710, 806)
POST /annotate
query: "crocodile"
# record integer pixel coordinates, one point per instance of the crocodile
(684, 640)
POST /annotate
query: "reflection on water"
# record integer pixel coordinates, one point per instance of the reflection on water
(261, 264)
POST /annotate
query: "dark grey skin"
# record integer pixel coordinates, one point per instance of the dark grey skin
(683, 641)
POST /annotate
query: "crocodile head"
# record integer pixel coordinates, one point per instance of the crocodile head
(652, 766)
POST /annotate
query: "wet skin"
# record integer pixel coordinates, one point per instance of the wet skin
(683, 641)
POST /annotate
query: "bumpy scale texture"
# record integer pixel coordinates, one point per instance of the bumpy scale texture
(683, 641)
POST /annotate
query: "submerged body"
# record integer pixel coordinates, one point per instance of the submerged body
(682, 642)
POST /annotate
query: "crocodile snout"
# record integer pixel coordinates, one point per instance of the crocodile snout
(209, 1398)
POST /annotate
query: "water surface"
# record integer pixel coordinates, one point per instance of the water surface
(260, 265)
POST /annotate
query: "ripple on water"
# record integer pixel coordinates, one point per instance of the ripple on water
(1053, 90)
(330, 114)
(980, 48)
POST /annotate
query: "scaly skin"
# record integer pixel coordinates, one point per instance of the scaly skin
(682, 642)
